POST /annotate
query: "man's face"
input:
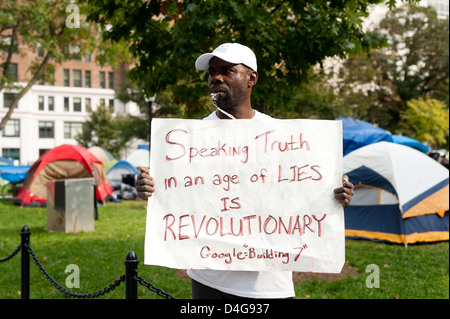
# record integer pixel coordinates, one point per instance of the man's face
(230, 81)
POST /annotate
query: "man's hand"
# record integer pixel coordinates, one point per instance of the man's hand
(345, 193)
(145, 185)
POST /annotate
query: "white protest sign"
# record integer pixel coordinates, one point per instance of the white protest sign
(246, 195)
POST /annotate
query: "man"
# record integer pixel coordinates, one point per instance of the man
(233, 72)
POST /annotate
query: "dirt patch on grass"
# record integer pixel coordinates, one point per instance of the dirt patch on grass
(181, 273)
(347, 270)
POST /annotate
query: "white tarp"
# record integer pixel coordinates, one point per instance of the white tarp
(246, 195)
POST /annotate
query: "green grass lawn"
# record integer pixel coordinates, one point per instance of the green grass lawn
(415, 272)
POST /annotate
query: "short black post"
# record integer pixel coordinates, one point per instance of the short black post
(25, 262)
(131, 266)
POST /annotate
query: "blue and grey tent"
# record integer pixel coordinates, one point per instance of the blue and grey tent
(358, 133)
(401, 195)
(408, 141)
(122, 177)
(119, 171)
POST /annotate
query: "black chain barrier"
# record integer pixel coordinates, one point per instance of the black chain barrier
(130, 277)
(10, 256)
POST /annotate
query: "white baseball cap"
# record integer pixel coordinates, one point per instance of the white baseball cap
(230, 52)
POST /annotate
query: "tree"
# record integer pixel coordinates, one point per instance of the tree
(109, 131)
(417, 58)
(53, 26)
(288, 37)
(414, 64)
(312, 99)
(28, 24)
(426, 119)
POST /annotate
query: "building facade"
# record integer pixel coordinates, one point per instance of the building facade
(51, 114)
(441, 7)
(378, 12)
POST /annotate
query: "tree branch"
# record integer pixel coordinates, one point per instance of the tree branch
(7, 63)
(33, 80)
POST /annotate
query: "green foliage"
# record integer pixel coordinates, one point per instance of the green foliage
(36, 22)
(51, 25)
(417, 58)
(414, 64)
(111, 132)
(288, 37)
(312, 100)
(426, 120)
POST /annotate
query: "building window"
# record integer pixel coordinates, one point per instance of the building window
(102, 80)
(102, 102)
(111, 80)
(111, 104)
(11, 153)
(6, 43)
(42, 151)
(66, 77)
(8, 99)
(76, 53)
(13, 71)
(77, 104)
(72, 129)
(47, 76)
(46, 129)
(51, 103)
(11, 129)
(66, 104)
(87, 79)
(41, 103)
(77, 78)
(87, 102)
(40, 51)
(87, 55)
